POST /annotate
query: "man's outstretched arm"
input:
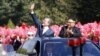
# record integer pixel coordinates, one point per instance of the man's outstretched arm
(34, 17)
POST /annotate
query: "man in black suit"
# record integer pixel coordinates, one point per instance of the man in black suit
(69, 30)
(43, 28)
(43, 31)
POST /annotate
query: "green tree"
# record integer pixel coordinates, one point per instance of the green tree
(10, 24)
(89, 10)
(58, 10)
(17, 10)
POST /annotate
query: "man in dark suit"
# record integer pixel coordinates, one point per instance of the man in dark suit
(43, 31)
(69, 30)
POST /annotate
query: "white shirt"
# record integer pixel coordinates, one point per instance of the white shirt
(45, 29)
(32, 12)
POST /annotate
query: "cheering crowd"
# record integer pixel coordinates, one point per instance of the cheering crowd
(17, 36)
(89, 30)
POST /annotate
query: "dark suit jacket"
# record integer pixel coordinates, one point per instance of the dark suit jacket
(76, 31)
(48, 33)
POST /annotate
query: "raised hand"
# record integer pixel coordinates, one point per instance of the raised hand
(32, 7)
(70, 31)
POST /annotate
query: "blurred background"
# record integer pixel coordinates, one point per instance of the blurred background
(14, 12)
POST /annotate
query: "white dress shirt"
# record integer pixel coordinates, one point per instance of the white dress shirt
(45, 29)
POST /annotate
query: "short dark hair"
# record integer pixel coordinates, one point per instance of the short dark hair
(50, 20)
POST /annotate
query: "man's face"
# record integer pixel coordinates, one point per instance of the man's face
(72, 24)
(46, 22)
(30, 36)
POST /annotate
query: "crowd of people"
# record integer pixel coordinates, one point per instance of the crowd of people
(20, 34)
(89, 30)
